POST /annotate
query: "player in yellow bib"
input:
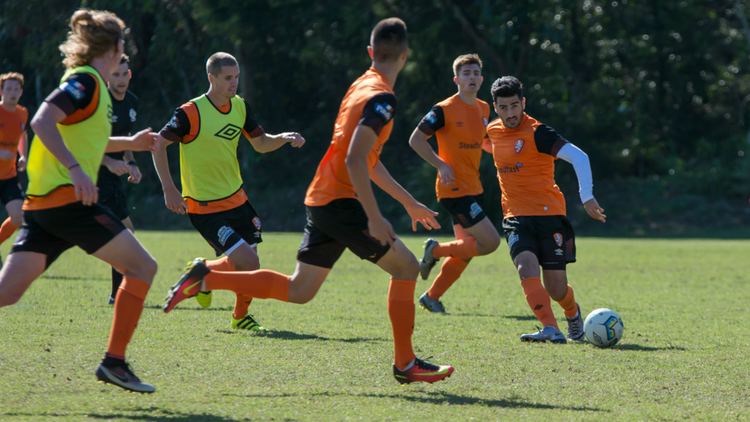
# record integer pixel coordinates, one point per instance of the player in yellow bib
(208, 129)
(61, 210)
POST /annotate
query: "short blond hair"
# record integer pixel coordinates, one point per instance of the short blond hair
(92, 33)
(11, 76)
(464, 60)
(219, 60)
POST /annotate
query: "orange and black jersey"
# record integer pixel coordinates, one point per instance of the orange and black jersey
(12, 127)
(525, 161)
(368, 102)
(184, 125)
(460, 129)
(77, 97)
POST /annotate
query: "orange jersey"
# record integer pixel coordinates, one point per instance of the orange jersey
(525, 160)
(460, 129)
(12, 126)
(369, 101)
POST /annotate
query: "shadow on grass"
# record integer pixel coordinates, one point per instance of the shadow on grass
(470, 314)
(138, 414)
(193, 308)
(290, 335)
(520, 317)
(437, 397)
(70, 277)
(640, 348)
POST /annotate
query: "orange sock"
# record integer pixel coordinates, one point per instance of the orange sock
(7, 230)
(128, 308)
(539, 301)
(241, 302)
(569, 304)
(449, 273)
(461, 248)
(263, 284)
(401, 313)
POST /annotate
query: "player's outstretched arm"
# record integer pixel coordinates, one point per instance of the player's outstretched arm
(582, 166)
(418, 142)
(418, 212)
(23, 150)
(145, 140)
(172, 196)
(268, 142)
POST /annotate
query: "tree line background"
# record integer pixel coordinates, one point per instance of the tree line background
(655, 92)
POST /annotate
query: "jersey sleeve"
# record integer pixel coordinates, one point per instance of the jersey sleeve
(378, 111)
(548, 141)
(178, 126)
(74, 93)
(251, 128)
(433, 121)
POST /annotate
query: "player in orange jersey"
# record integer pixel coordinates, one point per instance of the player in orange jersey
(208, 129)
(73, 128)
(13, 119)
(342, 212)
(459, 124)
(534, 216)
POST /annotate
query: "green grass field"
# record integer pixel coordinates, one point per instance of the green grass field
(683, 356)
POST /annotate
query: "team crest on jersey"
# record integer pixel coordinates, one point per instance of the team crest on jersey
(518, 146)
(132, 114)
(558, 239)
(228, 132)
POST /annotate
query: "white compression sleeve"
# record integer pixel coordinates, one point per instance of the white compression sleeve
(580, 161)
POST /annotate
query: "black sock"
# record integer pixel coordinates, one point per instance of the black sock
(112, 361)
(116, 281)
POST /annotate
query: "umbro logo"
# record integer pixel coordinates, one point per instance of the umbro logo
(228, 132)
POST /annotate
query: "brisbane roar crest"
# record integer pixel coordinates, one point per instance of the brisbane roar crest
(518, 146)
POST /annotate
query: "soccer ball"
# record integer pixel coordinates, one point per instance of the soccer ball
(603, 327)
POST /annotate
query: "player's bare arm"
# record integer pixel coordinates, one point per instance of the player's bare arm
(134, 173)
(418, 142)
(172, 196)
(23, 150)
(144, 140)
(268, 142)
(118, 167)
(362, 142)
(418, 212)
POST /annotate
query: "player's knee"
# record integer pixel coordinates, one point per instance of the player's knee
(245, 262)
(300, 295)
(408, 269)
(16, 219)
(146, 269)
(488, 245)
(9, 298)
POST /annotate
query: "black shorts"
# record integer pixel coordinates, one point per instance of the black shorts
(466, 210)
(333, 227)
(226, 229)
(10, 190)
(53, 231)
(550, 238)
(112, 195)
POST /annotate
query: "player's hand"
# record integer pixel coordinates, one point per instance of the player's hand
(594, 210)
(85, 189)
(21, 166)
(174, 201)
(7, 155)
(419, 213)
(294, 139)
(445, 172)
(134, 174)
(117, 167)
(145, 140)
(381, 230)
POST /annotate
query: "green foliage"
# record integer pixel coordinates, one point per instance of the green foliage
(647, 89)
(684, 304)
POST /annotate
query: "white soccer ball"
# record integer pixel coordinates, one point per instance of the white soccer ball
(603, 327)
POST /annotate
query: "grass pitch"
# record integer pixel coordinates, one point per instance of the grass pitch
(683, 356)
